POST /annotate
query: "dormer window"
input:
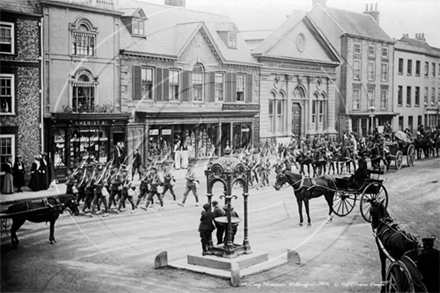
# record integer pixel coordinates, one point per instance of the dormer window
(232, 40)
(138, 27)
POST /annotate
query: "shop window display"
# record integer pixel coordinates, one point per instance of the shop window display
(60, 148)
(90, 144)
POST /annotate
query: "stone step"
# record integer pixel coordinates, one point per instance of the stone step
(215, 262)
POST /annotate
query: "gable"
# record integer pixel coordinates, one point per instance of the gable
(200, 49)
(300, 42)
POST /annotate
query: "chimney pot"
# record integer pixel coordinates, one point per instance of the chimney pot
(371, 7)
(366, 7)
(375, 7)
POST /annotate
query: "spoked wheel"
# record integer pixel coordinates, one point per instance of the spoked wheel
(343, 203)
(399, 160)
(398, 278)
(373, 192)
(410, 155)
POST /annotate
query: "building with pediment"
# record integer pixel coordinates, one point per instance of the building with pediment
(188, 77)
(297, 79)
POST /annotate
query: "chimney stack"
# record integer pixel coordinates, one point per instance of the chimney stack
(420, 37)
(374, 13)
(176, 3)
(322, 2)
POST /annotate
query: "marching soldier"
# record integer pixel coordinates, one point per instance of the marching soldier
(168, 183)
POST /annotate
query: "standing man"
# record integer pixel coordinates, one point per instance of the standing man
(44, 176)
(137, 162)
(190, 186)
(206, 227)
(218, 212)
(19, 172)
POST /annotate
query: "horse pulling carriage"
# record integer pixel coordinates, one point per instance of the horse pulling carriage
(402, 146)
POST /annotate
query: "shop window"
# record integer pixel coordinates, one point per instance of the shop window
(241, 136)
(219, 87)
(7, 38)
(408, 96)
(7, 147)
(174, 85)
(384, 72)
(383, 99)
(7, 94)
(83, 93)
(83, 38)
(356, 69)
(197, 82)
(417, 97)
(240, 87)
(371, 70)
(399, 95)
(356, 99)
(418, 68)
(60, 148)
(89, 144)
(147, 83)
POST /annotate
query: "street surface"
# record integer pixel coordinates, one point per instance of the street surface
(116, 254)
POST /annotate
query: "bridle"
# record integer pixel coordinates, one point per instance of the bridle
(293, 184)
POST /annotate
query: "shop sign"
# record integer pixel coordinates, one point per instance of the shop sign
(166, 131)
(89, 130)
(299, 67)
(154, 132)
(91, 122)
(255, 107)
(245, 130)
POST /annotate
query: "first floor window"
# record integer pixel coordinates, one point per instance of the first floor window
(371, 98)
(383, 99)
(356, 99)
(147, 83)
(400, 68)
(418, 68)
(417, 97)
(425, 100)
(219, 87)
(271, 114)
(433, 96)
(276, 113)
(357, 69)
(280, 115)
(426, 69)
(408, 96)
(240, 87)
(6, 149)
(433, 69)
(174, 85)
(83, 99)
(399, 95)
(7, 37)
(197, 82)
(7, 99)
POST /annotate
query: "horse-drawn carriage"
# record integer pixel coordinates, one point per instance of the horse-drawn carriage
(347, 194)
(402, 146)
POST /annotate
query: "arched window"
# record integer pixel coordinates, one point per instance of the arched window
(271, 112)
(83, 92)
(318, 112)
(197, 82)
(298, 93)
(276, 113)
(83, 36)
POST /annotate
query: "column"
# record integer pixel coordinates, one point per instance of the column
(331, 96)
(219, 140)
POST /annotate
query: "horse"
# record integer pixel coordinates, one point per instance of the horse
(46, 210)
(347, 157)
(303, 160)
(319, 163)
(306, 188)
(404, 247)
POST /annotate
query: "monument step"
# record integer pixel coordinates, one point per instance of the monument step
(221, 263)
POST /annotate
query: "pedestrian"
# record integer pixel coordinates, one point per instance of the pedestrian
(137, 163)
(206, 227)
(44, 174)
(19, 171)
(184, 156)
(34, 183)
(168, 183)
(219, 212)
(233, 227)
(154, 182)
(8, 179)
(177, 155)
(190, 185)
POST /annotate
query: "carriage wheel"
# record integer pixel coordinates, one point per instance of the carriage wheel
(373, 191)
(399, 160)
(343, 203)
(410, 155)
(398, 278)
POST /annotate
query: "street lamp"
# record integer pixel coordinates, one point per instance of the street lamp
(372, 109)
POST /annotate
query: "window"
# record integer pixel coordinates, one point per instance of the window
(197, 82)
(399, 96)
(83, 41)
(232, 40)
(314, 106)
(7, 147)
(7, 35)
(408, 96)
(138, 27)
(383, 99)
(271, 113)
(357, 48)
(280, 113)
(410, 123)
(174, 85)
(356, 99)
(409, 67)
(426, 69)
(371, 70)
(147, 83)
(371, 101)
(433, 69)
(384, 52)
(438, 69)
(219, 87)
(425, 100)
(7, 94)
(400, 66)
(419, 120)
(357, 69)
(417, 97)
(240, 87)
(384, 72)
(371, 50)
(83, 97)
(401, 123)
(417, 68)
(276, 113)
(433, 96)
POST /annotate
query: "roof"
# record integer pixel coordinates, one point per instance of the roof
(256, 34)
(420, 46)
(359, 24)
(20, 6)
(169, 29)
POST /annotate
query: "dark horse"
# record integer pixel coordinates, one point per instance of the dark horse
(306, 188)
(44, 210)
(393, 242)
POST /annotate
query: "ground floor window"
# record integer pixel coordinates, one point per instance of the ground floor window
(7, 148)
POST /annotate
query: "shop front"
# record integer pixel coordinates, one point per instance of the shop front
(73, 138)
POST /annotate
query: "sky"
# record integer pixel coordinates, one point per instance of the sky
(397, 17)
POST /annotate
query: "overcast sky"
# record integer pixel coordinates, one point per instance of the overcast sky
(396, 16)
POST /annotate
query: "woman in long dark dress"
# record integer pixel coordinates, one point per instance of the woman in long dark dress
(34, 183)
(8, 181)
(19, 171)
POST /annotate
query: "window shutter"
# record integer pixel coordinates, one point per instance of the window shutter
(249, 88)
(206, 87)
(159, 84)
(137, 83)
(234, 87)
(211, 87)
(229, 91)
(166, 84)
(186, 76)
